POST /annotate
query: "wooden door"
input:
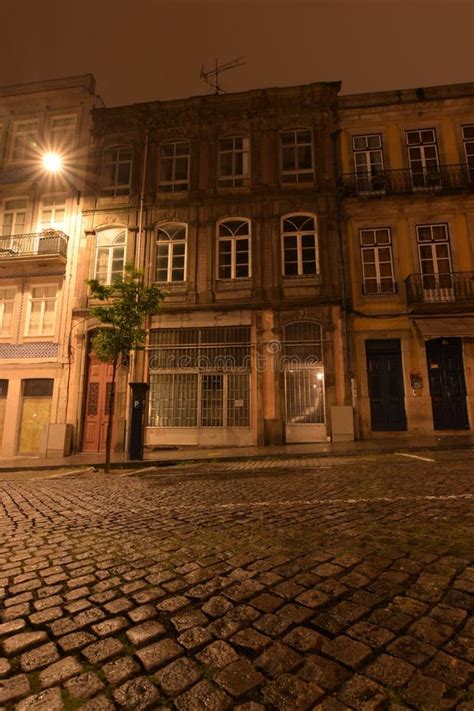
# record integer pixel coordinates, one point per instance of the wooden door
(99, 386)
(385, 381)
(447, 384)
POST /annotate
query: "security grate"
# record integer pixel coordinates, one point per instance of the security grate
(304, 396)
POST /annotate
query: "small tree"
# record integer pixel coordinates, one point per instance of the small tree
(127, 302)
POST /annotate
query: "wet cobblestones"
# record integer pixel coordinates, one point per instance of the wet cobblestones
(330, 586)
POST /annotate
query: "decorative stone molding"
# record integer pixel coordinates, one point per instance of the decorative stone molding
(28, 350)
(233, 284)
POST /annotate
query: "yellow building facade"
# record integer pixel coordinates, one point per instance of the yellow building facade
(407, 206)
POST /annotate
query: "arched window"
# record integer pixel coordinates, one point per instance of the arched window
(110, 255)
(171, 252)
(300, 245)
(117, 170)
(233, 237)
(296, 155)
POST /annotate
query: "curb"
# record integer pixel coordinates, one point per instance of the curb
(153, 463)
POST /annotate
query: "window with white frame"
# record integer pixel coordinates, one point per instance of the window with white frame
(297, 165)
(422, 147)
(368, 161)
(174, 166)
(14, 216)
(41, 310)
(110, 255)
(117, 171)
(300, 245)
(25, 140)
(233, 162)
(7, 304)
(171, 252)
(53, 212)
(233, 237)
(468, 140)
(62, 132)
(377, 261)
(435, 256)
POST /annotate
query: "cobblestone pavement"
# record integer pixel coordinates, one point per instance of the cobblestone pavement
(323, 584)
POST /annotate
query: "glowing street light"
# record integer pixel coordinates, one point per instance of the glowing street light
(52, 162)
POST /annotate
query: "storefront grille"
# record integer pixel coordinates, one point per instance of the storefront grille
(199, 377)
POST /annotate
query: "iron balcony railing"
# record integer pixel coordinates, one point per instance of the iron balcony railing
(444, 178)
(439, 288)
(38, 244)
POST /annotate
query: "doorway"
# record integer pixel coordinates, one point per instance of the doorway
(385, 382)
(447, 384)
(35, 414)
(97, 410)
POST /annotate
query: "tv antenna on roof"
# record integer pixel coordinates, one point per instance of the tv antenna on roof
(211, 76)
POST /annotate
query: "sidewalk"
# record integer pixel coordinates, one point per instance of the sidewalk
(173, 456)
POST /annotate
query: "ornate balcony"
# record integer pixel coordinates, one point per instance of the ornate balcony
(49, 245)
(450, 288)
(443, 179)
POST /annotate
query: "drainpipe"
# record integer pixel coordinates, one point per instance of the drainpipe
(142, 197)
(340, 239)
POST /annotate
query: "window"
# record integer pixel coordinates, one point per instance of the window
(368, 162)
(435, 258)
(38, 387)
(7, 304)
(297, 156)
(117, 171)
(53, 212)
(174, 166)
(199, 377)
(423, 158)
(171, 252)
(110, 255)
(468, 139)
(233, 162)
(41, 310)
(14, 217)
(377, 263)
(25, 140)
(62, 132)
(234, 249)
(300, 245)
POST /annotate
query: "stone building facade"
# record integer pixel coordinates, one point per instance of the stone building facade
(40, 224)
(228, 203)
(407, 192)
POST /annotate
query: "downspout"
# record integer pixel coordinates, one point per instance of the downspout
(340, 239)
(142, 197)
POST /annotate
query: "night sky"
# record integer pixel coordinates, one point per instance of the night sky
(141, 50)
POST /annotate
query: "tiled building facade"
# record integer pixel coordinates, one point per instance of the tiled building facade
(228, 203)
(316, 252)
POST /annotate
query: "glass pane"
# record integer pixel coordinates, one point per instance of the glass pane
(289, 159)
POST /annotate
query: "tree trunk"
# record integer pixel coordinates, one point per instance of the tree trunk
(110, 423)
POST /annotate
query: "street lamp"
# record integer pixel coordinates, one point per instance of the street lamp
(53, 163)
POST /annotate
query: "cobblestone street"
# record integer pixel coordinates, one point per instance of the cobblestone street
(325, 584)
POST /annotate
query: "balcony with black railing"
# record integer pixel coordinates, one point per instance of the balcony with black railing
(49, 245)
(443, 179)
(449, 288)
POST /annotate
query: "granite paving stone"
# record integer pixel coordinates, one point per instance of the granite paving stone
(311, 583)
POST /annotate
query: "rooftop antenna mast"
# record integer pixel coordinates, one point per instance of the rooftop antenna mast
(211, 76)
